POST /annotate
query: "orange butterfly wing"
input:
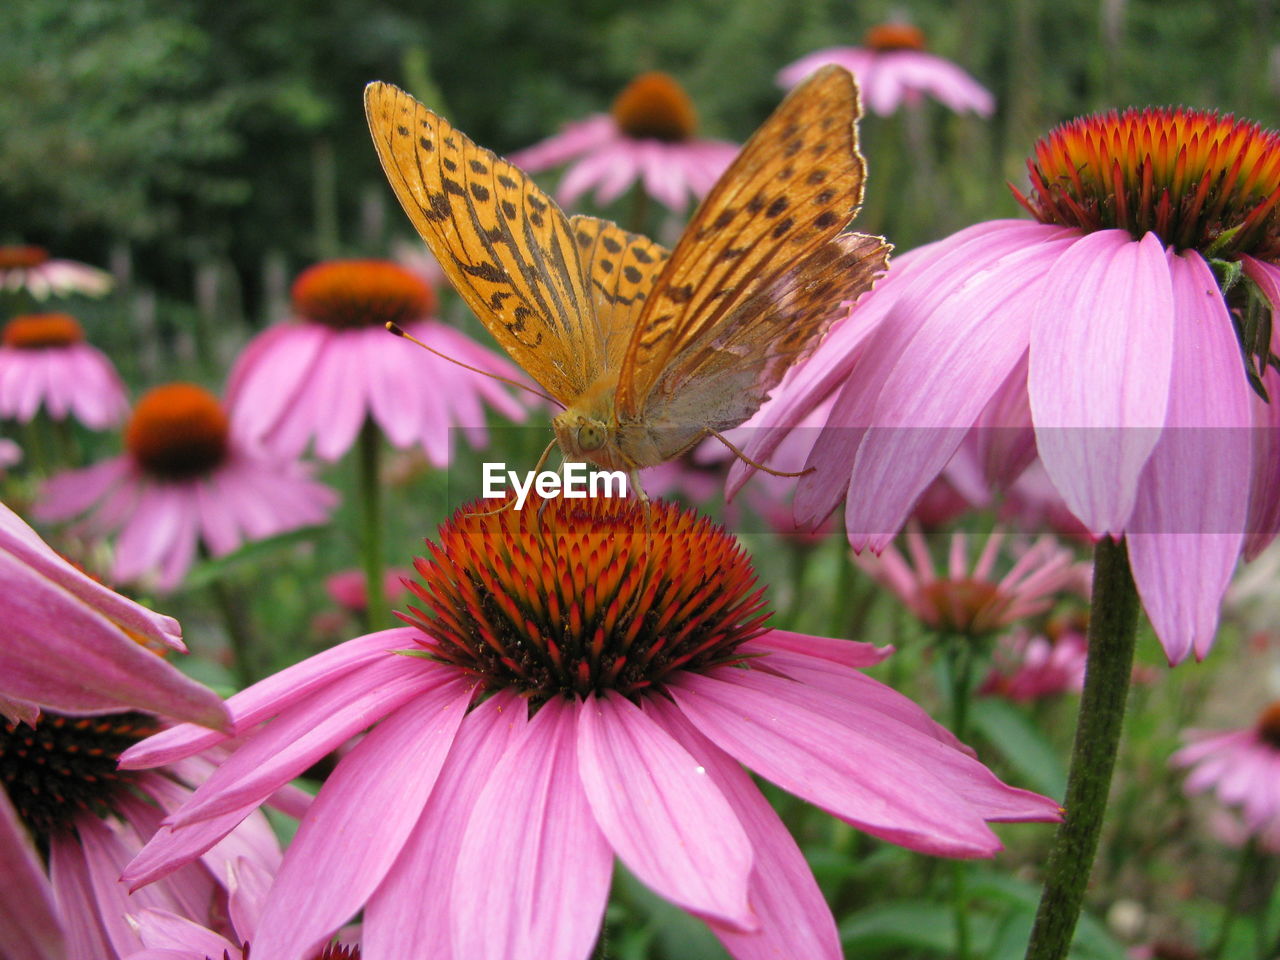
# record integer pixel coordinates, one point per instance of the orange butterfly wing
(503, 243)
(794, 187)
(619, 269)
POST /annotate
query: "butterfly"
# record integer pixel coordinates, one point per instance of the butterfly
(648, 351)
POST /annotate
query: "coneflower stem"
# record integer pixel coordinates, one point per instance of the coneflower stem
(639, 208)
(1248, 866)
(244, 645)
(371, 543)
(1113, 625)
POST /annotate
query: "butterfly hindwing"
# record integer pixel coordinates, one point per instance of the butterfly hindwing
(620, 269)
(796, 184)
(503, 243)
(718, 381)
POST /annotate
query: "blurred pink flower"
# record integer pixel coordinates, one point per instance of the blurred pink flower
(45, 362)
(892, 68)
(70, 821)
(185, 479)
(1242, 767)
(71, 644)
(1030, 667)
(648, 137)
(10, 454)
(527, 732)
(346, 588)
(973, 601)
(320, 375)
(1112, 342)
(30, 269)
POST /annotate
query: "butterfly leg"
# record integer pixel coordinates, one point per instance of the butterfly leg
(753, 463)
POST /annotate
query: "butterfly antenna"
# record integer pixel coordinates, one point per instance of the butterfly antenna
(402, 333)
(507, 506)
(755, 463)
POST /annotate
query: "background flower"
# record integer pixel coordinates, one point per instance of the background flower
(647, 138)
(29, 269)
(46, 364)
(321, 374)
(185, 481)
(892, 68)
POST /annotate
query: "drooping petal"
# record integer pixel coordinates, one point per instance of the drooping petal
(359, 822)
(661, 813)
(74, 895)
(1101, 354)
(1188, 523)
(794, 919)
(533, 870)
(1264, 488)
(886, 792)
(29, 926)
(399, 923)
(958, 326)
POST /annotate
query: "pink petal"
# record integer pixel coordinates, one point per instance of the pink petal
(29, 927)
(795, 920)
(1264, 489)
(957, 327)
(397, 913)
(307, 731)
(359, 822)
(533, 869)
(662, 815)
(74, 892)
(844, 770)
(1101, 351)
(1188, 523)
(164, 931)
(270, 696)
(848, 653)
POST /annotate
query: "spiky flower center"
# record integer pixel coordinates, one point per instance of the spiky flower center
(654, 107)
(894, 36)
(22, 258)
(36, 331)
(347, 294)
(1196, 179)
(965, 606)
(571, 597)
(1269, 725)
(63, 767)
(177, 431)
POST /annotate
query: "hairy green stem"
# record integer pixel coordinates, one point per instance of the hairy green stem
(1113, 625)
(1248, 864)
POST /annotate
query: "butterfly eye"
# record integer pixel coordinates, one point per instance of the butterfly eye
(591, 436)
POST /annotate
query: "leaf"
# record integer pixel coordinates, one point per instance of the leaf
(1022, 744)
(206, 572)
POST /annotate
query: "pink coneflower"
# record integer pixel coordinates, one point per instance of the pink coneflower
(971, 600)
(71, 644)
(320, 375)
(1103, 326)
(892, 68)
(648, 137)
(582, 681)
(1027, 666)
(45, 363)
(70, 821)
(185, 480)
(1242, 767)
(29, 268)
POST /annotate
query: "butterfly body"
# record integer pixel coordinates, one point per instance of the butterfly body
(648, 351)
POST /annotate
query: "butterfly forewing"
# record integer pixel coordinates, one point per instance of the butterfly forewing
(503, 243)
(619, 269)
(796, 184)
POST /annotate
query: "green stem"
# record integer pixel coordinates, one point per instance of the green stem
(244, 645)
(1248, 864)
(371, 520)
(1113, 625)
(959, 659)
(639, 208)
(960, 907)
